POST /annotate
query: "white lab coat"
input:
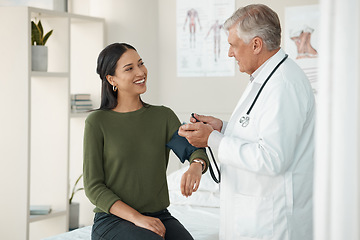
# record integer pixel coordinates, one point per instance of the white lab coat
(267, 167)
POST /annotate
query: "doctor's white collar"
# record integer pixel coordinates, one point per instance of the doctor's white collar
(257, 71)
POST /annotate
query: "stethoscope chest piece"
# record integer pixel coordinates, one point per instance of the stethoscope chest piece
(244, 120)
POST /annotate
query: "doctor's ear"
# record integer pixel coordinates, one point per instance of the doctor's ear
(257, 44)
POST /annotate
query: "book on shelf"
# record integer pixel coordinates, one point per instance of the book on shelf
(80, 111)
(80, 96)
(80, 107)
(81, 103)
(40, 209)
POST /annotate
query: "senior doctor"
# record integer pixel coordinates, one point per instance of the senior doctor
(266, 149)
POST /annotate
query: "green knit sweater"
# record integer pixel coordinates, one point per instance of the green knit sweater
(125, 157)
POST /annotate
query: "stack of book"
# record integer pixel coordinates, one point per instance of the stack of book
(81, 102)
(40, 209)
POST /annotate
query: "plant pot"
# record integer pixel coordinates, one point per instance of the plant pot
(39, 58)
(74, 210)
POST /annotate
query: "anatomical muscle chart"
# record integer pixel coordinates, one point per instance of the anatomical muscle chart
(201, 39)
(302, 39)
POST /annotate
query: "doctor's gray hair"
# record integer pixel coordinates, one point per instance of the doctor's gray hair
(257, 20)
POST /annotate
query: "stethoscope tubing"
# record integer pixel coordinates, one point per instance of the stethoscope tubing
(244, 120)
(217, 180)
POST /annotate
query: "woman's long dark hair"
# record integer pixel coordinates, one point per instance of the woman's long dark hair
(106, 65)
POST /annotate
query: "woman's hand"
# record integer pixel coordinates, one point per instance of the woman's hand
(150, 223)
(122, 210)
(190, 180)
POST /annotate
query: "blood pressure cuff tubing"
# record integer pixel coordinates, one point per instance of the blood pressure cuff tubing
(181, 147)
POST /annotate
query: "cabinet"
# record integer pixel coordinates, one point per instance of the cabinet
(36, 118)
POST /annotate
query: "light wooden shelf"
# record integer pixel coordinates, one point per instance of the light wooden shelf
(79, 114)
(41, 120)
(50, 74)
(52, 214)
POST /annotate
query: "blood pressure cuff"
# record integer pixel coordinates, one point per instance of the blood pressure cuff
(181, 147)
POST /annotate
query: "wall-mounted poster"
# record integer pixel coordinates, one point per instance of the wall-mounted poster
(302, 39)
(202, 45)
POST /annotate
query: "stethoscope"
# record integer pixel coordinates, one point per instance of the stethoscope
(244, 120)
(217, 180)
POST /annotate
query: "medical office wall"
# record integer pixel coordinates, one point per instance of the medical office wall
(151, 26)
(205, 95)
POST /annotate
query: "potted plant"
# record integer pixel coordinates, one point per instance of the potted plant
(74, 207)
(39, 52)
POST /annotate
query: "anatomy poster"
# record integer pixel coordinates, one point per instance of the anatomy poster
(202, 45)
(302, 39)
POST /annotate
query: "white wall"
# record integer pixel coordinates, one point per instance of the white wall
(133, 22)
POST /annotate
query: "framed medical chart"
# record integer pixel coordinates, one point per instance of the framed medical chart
(301, 35)
(201, 40)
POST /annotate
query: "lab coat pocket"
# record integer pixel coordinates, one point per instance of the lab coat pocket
(253, 216)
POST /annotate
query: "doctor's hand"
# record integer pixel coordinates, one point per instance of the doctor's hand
(212, 121)
(190, 180)
(196, 133)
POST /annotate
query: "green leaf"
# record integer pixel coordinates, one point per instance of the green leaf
(35, 34)
(40, 29)
(74, 190)
(46, 37)
(33, 27)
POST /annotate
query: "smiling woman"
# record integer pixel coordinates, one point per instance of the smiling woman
(129, 80)
(125, 155)
(115, 64)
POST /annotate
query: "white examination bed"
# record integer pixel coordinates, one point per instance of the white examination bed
(198, 213)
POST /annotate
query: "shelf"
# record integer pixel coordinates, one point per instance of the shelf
(76, 18)
(50, 74)
(53, 214)
(46, 13)
(79, 114)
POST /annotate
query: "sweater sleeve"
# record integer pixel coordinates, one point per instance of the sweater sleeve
(93, 169)
(200, 154)
(173, 124)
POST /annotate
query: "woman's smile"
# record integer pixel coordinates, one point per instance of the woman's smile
(140, 81)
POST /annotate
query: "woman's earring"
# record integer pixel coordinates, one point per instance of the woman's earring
(114, 88)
